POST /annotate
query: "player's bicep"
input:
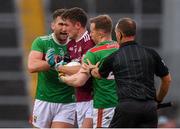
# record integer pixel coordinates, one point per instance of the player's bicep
(83, 77)
(77, 80)
(33, 57)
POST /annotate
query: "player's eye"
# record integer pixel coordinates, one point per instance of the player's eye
(61, 24)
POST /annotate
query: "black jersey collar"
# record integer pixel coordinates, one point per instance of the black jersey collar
(128, 43)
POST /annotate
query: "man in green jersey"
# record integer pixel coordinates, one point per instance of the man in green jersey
(105, 96)
(54, 105)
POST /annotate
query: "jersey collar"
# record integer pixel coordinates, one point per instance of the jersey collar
(127, 43)
(57, 42)
(86, 32)
(104, 42)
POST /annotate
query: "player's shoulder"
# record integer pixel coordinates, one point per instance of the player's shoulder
(113, 45)
(46, 37)
(85, 38)
(43, 38)
(148, 49)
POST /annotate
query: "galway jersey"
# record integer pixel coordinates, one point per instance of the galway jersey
(49, 88)
(104, 89)
(76, 50)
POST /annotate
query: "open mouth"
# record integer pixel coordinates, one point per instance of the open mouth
(62, 33)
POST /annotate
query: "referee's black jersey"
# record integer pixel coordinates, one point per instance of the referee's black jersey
(134, 67)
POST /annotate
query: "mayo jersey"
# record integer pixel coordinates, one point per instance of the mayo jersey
(105, 95)
(49, 88)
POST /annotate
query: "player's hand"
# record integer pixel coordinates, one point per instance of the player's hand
(93, 69)
(95, 73)
(61, 77)
(61, 63)
(158, 100)
(67, 58)
(50, 57)
(85, 68)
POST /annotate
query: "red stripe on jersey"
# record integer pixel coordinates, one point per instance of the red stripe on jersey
(99, 118)
(105, 47)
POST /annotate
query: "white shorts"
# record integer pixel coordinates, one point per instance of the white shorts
(84, 110)
(102, 117)
(44, 113)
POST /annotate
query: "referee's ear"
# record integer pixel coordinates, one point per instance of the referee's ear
(118, 36)
(121, 36)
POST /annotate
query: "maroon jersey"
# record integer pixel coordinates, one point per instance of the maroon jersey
(76, 50)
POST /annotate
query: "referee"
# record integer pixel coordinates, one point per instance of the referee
(134, 67)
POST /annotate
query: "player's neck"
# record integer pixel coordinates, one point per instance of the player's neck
(81, 33)
(105, 38)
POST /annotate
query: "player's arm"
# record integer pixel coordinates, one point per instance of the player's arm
(76, 80)
(80, 78)
(69, 70)
(35, 62)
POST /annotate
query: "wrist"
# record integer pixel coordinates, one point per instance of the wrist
(158, 101)
(58, 66)
(62, 77)
(52, 64)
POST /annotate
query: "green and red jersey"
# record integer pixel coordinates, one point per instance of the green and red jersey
(104, 89)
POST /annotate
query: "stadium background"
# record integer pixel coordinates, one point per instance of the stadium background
(22, 20)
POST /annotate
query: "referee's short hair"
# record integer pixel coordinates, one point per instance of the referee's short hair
(127, 26)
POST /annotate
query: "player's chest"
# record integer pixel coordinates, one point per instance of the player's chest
(75, 51)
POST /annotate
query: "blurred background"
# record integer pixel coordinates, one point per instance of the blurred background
(21, 21)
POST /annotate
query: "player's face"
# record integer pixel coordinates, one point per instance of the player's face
(58, 27)
(94, 33)
(71, 29)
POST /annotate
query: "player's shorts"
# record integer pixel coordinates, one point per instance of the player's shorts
(84, 110)
(44, 113)
(102, 117)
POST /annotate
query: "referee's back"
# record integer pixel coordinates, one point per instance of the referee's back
(134, 67)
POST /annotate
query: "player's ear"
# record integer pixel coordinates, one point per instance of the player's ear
(78, 25)
(52, 26)
(118, 34)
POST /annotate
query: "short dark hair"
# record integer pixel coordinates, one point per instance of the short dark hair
(57, 12)
(127, 26)
(76, 15)
(103, 22)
